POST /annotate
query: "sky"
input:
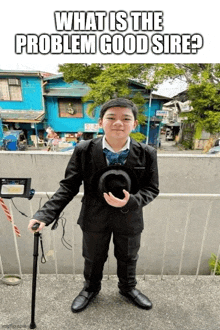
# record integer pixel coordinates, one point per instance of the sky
(32, 34)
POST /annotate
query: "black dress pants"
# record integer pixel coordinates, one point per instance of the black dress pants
(95, 252)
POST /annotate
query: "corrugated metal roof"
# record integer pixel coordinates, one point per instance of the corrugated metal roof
(22, 116)
(54, 76)
(20, 73)
(171, 88)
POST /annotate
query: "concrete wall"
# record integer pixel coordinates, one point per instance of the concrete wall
(178, 174)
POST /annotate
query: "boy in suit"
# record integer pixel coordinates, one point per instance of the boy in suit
(103, 213)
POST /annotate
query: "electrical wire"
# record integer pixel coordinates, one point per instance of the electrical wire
(43, 259)
(22, 213)
(63, 223)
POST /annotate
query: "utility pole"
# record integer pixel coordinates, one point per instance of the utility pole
(148, 119)
(35, 127)
(1, 129)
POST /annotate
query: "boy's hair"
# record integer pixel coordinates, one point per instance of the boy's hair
(119, 102)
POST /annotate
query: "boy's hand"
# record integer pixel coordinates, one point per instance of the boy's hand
(32, 222)
(117, 202)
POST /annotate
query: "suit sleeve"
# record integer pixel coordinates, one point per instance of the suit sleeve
(69, 187)
(150, 188)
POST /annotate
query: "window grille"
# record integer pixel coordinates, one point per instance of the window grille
(10, 90)
(14, 82)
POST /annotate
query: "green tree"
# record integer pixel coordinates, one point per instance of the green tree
(112, 80)
(107, 81)
(203, 92)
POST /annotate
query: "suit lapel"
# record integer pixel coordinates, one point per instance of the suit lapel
(134, 155)
(98, 157)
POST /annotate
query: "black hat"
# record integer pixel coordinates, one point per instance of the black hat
(114, 179)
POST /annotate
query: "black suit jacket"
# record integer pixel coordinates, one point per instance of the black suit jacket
(96, 215)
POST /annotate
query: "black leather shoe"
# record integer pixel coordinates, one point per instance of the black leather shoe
(137, 298)
(82, 300)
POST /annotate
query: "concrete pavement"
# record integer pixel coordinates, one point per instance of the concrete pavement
(179, 304)
(172, 147)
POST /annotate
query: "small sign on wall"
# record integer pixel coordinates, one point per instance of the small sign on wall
(91, 127)
(161, 113)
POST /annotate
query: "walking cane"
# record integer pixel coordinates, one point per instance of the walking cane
(34, 278)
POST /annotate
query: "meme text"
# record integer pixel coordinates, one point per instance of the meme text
(106, 32)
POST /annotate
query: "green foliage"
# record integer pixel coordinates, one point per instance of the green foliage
(107, 81)
(205, 99)
(203, 92)
(86, 72)
(205, 96)
(139, 137)
(112, 82)
(139, 100)
(211, 122)
(187, 144)
(212, 262)
(188, 132)
(160, 72)
(198, 130)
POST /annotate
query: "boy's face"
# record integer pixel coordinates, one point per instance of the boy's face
(118, 122)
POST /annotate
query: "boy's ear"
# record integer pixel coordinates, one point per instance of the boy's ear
(100, 122)
(135, 123)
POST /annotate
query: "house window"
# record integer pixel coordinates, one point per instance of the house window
(10, 89)
(70, 107)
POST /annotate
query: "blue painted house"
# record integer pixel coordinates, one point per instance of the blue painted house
(31, 101)
(67, 114)
(65, 111)
(21, 101)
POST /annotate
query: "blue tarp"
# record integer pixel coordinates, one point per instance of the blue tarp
(10, 142)
(1, 133)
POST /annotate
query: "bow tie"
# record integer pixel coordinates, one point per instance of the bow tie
(116, 158)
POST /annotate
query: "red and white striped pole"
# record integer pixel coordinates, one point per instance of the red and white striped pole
(9, 217)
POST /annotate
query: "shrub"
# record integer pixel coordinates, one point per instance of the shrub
(139, 137)
(212, 262)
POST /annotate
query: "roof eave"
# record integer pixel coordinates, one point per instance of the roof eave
(21, 73)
